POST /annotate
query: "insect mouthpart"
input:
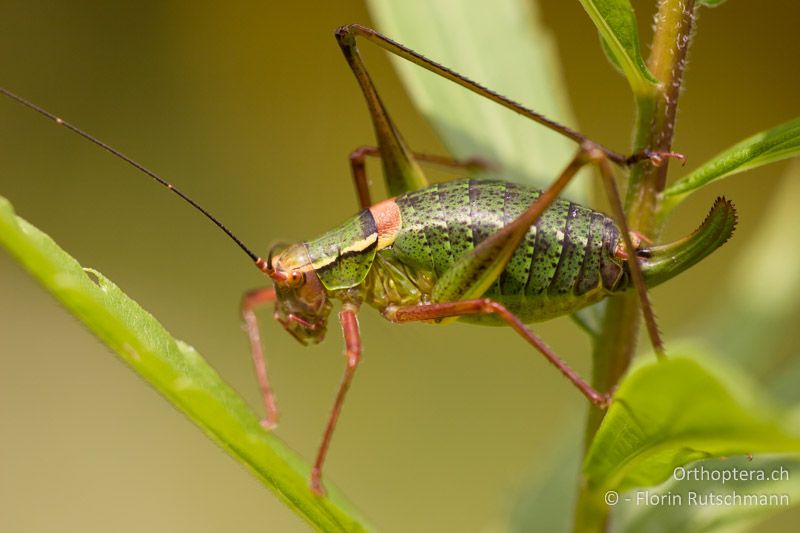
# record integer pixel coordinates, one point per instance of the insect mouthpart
(304, 331)
(302, 305)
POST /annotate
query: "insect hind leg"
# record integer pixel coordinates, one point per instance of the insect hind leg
(472, 275)
(346, 36)
(401, 171)
(629, 251)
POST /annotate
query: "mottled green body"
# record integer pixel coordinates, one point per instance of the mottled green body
(343, 257)
(565, 261)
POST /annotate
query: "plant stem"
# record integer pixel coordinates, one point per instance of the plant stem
(612, 352)
(654, 129)
(674, 25)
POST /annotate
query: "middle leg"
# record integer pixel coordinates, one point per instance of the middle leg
(486, 306)
(358, 168)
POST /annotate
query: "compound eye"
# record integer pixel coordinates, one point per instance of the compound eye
(295, 278)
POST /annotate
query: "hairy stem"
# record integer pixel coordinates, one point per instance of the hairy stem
(653, 130)
(674, 25)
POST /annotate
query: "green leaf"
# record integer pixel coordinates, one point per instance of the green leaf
(751, 329)
(633, 518)
(616, 23)
(173, 368)
(671, 413)
(711, 3)
(504, 46)
(780, 142)
(610, 56)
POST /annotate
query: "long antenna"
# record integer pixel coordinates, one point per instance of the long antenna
(117, 153)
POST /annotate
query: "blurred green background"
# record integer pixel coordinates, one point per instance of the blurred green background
(251, 109)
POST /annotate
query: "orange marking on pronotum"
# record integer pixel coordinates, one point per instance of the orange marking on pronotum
(387, 220)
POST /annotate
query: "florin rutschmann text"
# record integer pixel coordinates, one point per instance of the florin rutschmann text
(741, 495)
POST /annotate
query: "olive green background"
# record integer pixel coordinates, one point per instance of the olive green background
(251, 109)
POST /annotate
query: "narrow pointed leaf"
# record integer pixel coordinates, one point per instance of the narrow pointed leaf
(671, 413)
(780, 142)
(616, 23)
(711, 3)
(173, 368)
(503, 46)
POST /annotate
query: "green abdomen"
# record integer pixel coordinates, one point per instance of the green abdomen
(565, 262)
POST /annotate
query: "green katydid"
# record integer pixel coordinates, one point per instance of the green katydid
(487, 252)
